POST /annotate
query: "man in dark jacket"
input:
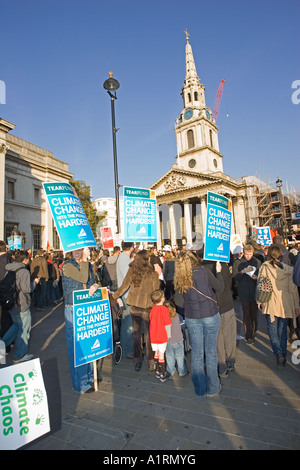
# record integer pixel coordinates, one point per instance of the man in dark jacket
(39, 269)
(245, 271)
(226, 345)
(5, 318)
(20, 313)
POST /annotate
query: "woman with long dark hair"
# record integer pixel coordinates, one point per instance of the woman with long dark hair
(284, 302)
(202, 319)
(141, 280)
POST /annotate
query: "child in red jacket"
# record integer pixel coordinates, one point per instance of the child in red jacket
(160, 331)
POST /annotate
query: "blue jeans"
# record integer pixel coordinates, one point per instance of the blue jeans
(278, 334)
(82, 376)
(203, 334)
(19, 330)
(175, 353)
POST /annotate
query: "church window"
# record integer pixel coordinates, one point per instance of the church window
(11, 189)
(192, 163)
(190, 139)
(189, 97)
(211, 138)
(196, 96)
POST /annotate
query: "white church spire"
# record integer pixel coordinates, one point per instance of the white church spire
(196, 134)
(193, 90)
(190, 67)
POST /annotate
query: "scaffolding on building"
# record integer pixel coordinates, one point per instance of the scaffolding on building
(274, 209)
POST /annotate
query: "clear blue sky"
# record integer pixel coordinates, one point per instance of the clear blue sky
(56, 55)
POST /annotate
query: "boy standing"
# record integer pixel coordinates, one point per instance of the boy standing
(160, 332)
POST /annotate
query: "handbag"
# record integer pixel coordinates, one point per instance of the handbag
(264, 290)
(205, 295)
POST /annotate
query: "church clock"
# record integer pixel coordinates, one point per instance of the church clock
(188, 114)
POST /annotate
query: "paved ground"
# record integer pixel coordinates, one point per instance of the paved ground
(259, 407)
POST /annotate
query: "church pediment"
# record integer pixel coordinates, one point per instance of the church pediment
(180, 180)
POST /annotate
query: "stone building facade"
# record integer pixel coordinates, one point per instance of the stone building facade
(23, 205)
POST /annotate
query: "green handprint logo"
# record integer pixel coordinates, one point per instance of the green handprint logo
(37, 396)
(32, 374)
(40, 420)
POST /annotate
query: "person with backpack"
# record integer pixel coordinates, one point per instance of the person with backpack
(20, 311)
(5, 318)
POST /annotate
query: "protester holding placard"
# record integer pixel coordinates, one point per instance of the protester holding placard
(77, 274)
(244, 271)
(226, 345)
(202, 319)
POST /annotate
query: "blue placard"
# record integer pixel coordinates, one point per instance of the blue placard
(140, 217)
(92, 326)
(263, 235)
(218, 228)
(14, 242)
(70, 220)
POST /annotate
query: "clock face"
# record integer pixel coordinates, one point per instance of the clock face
(207, 114)
(188, 114)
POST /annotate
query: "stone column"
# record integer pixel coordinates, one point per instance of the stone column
(188, 220)
(203, 214)
(172, 225)
(240, 218)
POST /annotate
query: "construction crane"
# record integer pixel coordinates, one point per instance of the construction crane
(217, 102)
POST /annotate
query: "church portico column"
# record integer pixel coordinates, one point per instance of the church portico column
(203, 213)
(188, 221)
(240, 217)
(172, 225)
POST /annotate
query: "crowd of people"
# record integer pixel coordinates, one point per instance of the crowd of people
(174, 303)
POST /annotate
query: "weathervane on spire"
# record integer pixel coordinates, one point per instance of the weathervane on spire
(187, 35)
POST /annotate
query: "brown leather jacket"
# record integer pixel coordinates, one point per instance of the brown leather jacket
(39, 267)
(139, 296)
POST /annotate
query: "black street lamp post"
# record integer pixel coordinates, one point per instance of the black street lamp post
(111, 85)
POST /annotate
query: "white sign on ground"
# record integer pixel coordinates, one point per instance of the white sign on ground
(24, 414)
